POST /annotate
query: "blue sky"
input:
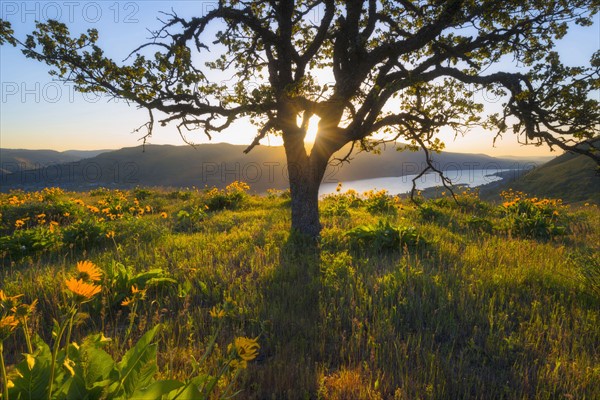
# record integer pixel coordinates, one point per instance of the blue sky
(39, 113)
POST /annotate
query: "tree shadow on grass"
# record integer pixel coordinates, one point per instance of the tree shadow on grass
(286, 367)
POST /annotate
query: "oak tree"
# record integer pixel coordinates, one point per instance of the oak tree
(366, 69)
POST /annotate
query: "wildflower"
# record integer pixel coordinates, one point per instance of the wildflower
(135, 291)
(587, 204)
(53, 225)
(82, 290)
(216, 313)
(128, 301)
(246, 348)
(9, 303)
(67, 214)
(163, 214)
(136, 294)
(89, 271)
(7, 325)
(148, 209)
(14, 201)
(237, 186)
(110, 234)
(19, 223)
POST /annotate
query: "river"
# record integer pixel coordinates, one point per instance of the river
(403, 184)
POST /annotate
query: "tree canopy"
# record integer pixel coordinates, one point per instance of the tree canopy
(404, 68)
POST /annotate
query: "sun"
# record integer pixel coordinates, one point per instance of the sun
(311, 132)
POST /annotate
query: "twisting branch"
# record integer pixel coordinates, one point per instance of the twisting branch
(148, 126)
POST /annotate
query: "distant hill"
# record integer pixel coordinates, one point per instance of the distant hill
(12, 160)
(218, 164)
(81, 154)
(574, 178)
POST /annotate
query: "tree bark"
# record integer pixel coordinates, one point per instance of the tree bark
(305, 176)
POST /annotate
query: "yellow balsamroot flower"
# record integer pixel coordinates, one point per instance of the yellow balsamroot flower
(53, 225)
(89, 271)
(110, 234)
(164, 214)
(9, 303)
(7, 325)
(216, 313)
(82, 290)
(19, 223)
(138, 292)
(237, 186)
(14, 201)
(246, 348)
(128, 301)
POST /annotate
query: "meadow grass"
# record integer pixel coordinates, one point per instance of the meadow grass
(481, 301)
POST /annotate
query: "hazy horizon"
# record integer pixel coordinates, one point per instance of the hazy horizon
(68, 149)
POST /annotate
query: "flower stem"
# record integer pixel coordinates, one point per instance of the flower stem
(3, 370)
(27, 336)
(73, 313)
(61, 332)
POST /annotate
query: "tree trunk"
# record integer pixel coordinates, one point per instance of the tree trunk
(305, 178)
(304, 188)
(305, 175)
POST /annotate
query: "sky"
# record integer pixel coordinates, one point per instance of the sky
(39, 113)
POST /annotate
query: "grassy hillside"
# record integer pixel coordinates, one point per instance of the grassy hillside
(571, 177)
(444, 301)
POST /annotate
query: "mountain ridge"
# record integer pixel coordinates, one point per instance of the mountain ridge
(217, 164)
